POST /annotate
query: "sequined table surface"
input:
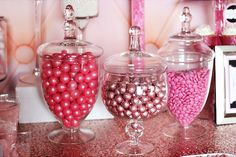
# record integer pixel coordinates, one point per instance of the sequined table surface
(221, 139)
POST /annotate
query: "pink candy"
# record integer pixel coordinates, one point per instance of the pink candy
(70, 85)
(187, 93)
(134, 97)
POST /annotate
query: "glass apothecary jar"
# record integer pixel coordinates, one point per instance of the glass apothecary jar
(134, 89)
(69, 72)
(189, 72)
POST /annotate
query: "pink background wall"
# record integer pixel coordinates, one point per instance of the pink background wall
(109, 29)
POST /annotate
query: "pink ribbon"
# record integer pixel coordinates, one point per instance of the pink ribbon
(137, 18)
(219, 16)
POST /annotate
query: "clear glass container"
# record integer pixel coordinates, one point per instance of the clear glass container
(189, 72)
(134, 89)
(70, 80)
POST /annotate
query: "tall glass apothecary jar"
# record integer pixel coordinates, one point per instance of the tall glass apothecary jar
(69, 72)
(189, 72)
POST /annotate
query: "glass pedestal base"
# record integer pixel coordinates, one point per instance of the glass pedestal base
(78, 136)
(177, 131)
(127, 148)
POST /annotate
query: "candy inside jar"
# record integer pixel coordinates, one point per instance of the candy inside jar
(134, 97)
(70, 80)
(70, 85)
(187, 93)
(134, 87)
(189, 74)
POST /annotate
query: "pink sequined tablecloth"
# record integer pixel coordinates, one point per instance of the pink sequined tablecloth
(110, 132)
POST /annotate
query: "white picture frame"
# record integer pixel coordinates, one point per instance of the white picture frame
(225, 74)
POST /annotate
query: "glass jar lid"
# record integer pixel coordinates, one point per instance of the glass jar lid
(71, 45)
(134, 60)
(186, 46)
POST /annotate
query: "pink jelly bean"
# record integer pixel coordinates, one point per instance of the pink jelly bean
(187, 93)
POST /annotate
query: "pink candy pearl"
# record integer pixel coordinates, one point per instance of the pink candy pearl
(59, 114)
(92, 66)
(65, 95)
(45, 84)
(72, 74)
(85, 70)
(94, 74)
(53, 80)
(57, 56)
(75, 68)
(65, 104)
(57, 98)
(48, 72)
(81, 100)
(46, 64)
(82, 87)
(93, 84)
(77, 113)
(88, 78)
(56, 63)
(187, 93)
(74, 94)
(51, 90)
(64, 78)
(79, 77)
(91, 100)
(65, 67)
(70, 85)
(56, 72)
(74, 106)
(61, 87)
(75, 123)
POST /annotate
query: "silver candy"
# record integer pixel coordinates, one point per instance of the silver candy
(131, 88)
(125, 104)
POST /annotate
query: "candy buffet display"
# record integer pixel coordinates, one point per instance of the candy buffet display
(189, 73)
(69, 74)
(134, 88)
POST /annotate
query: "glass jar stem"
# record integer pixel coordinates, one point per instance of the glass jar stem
(134, 130)
(72, 134)
(134, 141)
